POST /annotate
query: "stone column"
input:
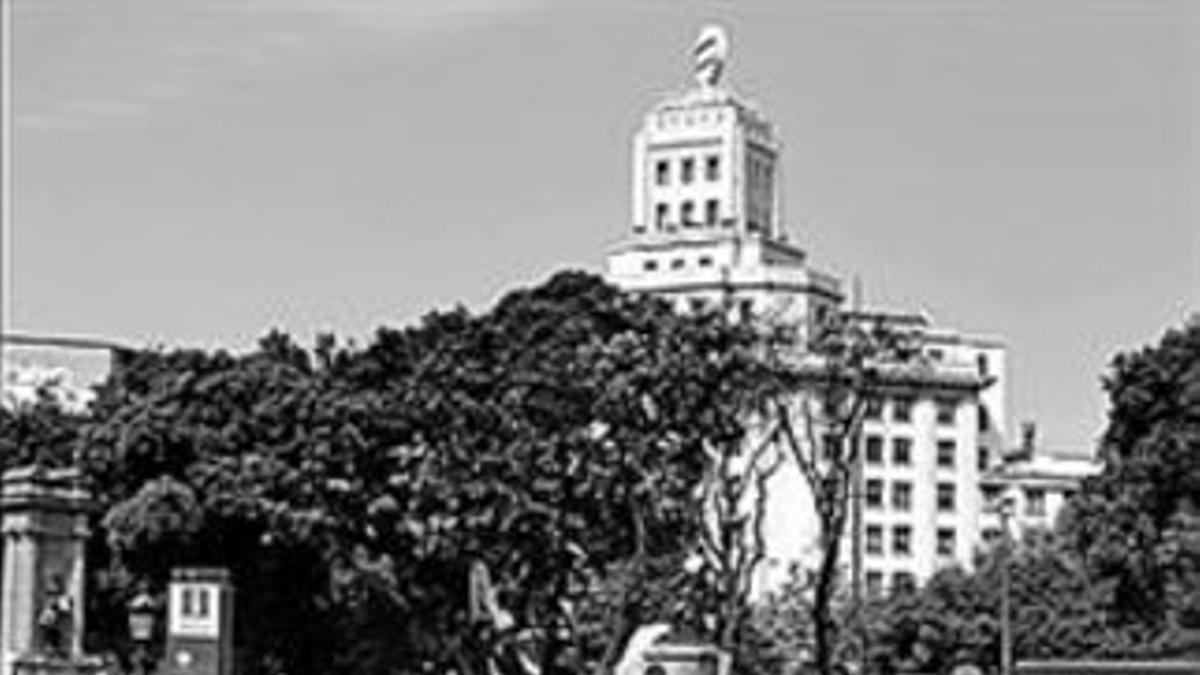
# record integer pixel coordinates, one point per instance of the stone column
(44, 522)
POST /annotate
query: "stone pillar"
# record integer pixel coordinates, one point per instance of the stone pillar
(44, 522)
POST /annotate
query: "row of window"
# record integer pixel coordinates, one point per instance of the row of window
(902, 409)
(901, 495)
(687, 170)
(947, 452)
(902, 582)
(1035, 499)
(687, 214)
(902, 540)
(651, 265)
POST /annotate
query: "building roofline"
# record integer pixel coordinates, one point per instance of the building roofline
(62, 341)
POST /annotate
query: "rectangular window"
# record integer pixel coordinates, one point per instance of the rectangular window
(902, 495)
(677, 264)
(902, 409)
(650, 265)
(946, 410)
(945, 497)
(901, 451)
(982, 459)
(903, 582)
(874, 450)
(832, 446)
(945, 541)
(711, 212)
(981, 362)
(1035, 502)
(991, 494)
(705, 261)
(746, 309)
(687, 213)
(712, 167)
(696, 305)
(874, 493)
(985, 419)
(946, 450)
(874, 583)
(660, 216)
(687, 171)
(901, 540)
(874, 540)
(662, 172)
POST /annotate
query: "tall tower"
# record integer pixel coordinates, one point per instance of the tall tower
(706, 222)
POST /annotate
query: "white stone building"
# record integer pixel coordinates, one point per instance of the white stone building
(707, 225)
(1037, 483)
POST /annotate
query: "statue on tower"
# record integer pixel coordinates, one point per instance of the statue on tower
(710, 52)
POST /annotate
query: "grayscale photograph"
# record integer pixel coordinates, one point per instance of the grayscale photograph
(600, 337)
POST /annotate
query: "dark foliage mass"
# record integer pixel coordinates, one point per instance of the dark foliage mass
(553, 439)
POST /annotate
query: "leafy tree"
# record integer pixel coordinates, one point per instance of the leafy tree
(818, 408)
(1137, 523)
(551, 440)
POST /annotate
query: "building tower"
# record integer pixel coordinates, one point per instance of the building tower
(707, 225)
(707, 229)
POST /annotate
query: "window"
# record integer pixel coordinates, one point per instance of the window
(711, 214)
(874, 450)
(195, 603)
(687, 171)
(981, 362)
(945, 497)
(901, 451)
(982, 459)
(712, 167)
(687, 212)
(660, 216)
(662, 172)
(1035, 502)
(985, 419)
(990, 534)
(874, 540)
(902, 495)
(874, 405)
(677, 264)
(903, 582)
(991, 493)
(936, 354)
(901, 540)
(946, 409)
(650, 265)
(946, 449)
(874, 493)
(874, 583)
(902, 409)
(705, 261)
(696, 305)
(945, 541)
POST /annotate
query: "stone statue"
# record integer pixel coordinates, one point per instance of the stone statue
(710, 52)
(55, 618)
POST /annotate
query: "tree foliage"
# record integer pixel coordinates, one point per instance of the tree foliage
(1138, 523)
(558, 439)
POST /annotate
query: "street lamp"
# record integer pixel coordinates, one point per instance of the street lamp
(143, 617)
(1005, 509)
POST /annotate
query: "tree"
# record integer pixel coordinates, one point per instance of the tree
(1136, 524)
(549, 441)
(818, 409)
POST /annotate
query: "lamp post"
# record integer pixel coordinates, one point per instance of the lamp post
(1005, 509)
(142, 622)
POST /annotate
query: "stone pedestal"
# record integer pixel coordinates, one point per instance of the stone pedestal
(43, 520)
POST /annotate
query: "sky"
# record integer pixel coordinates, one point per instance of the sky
(197, 172)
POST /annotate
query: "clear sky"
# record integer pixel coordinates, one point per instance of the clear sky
(195, 172)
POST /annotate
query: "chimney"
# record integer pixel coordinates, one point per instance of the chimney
(1028, 437)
